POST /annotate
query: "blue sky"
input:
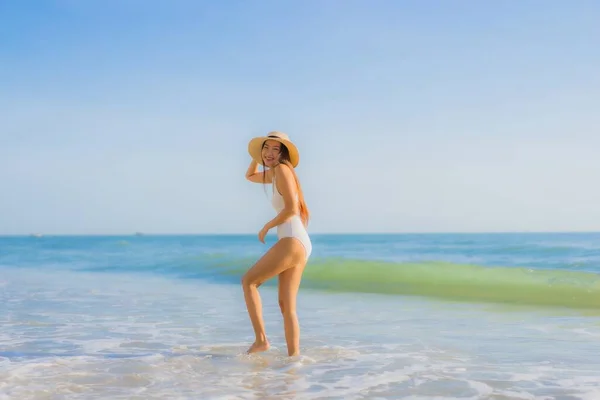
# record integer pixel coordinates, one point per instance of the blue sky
(411, 116)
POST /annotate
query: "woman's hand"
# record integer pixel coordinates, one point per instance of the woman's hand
(263, 233)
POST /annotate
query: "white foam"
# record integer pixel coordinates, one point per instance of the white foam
(99, 336)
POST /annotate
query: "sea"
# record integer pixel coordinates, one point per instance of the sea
(383, 316)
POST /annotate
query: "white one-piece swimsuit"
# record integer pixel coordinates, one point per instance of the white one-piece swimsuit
(293, 227)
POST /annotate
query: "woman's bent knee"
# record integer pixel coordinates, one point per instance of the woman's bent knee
(248, 282)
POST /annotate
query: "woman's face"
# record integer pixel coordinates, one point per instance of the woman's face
(271, 152)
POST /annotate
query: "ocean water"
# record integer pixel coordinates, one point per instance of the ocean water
(447, 316)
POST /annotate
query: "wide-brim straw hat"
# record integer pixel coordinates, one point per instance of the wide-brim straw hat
(256, 144)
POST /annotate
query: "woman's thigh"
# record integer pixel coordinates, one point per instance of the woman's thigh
(285, 254)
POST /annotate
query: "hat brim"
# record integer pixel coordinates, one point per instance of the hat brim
(256, 144)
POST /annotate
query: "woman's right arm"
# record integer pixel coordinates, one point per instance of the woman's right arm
(256, 176)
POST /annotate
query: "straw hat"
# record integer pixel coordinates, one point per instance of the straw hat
(256, 144)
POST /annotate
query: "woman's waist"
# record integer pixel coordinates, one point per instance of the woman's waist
(294, 222)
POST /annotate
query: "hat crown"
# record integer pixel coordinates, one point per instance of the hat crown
(278, 135)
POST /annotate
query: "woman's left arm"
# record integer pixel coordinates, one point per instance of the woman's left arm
(285, 183)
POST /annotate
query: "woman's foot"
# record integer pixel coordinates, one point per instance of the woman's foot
(259, 346)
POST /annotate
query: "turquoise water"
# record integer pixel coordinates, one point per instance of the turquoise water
(490, 316)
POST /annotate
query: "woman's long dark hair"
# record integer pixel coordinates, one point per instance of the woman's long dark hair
(285, 159)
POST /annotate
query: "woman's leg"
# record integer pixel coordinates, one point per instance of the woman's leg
(289, 283)
(285, 254)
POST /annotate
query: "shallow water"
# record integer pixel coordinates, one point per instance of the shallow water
(155, 318)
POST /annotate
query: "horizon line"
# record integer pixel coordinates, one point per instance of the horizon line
(351, 233)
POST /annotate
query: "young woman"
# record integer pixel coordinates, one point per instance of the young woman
(287, 258)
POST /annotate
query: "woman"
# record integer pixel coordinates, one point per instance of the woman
(287, 258)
